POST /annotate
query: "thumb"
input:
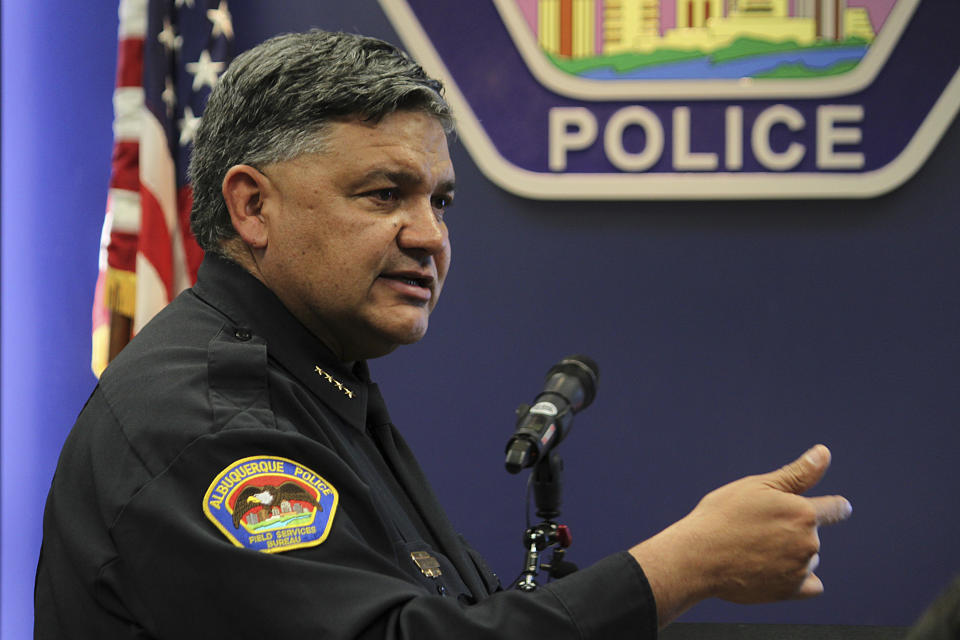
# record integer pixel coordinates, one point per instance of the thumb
(803, 473)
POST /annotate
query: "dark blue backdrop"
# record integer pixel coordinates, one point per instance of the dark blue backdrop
(730, 337)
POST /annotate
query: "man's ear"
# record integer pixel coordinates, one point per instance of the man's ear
(244, 191)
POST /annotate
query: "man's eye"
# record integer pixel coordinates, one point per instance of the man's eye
(442, 202)
(384, 195)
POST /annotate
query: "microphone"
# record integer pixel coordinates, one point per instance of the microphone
(570, 386)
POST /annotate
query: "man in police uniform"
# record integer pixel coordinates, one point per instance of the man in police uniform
(236, 472)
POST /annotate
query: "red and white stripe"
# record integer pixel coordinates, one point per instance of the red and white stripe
(147, 253)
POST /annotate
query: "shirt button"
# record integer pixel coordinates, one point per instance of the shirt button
(442, 590)
(242, 334)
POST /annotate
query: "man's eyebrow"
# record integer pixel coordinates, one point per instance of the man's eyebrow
(402, 178)
(447, 186)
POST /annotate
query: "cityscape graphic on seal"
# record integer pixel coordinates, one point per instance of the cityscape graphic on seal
(275, 505)
(704, 39)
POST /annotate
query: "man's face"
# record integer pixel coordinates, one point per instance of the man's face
(357, 248)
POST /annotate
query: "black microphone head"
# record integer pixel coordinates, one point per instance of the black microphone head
(585, 370)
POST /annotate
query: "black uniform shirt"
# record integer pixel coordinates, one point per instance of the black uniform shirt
(224, 380)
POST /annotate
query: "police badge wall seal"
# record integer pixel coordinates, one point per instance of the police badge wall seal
(692, 99)
(271, 504)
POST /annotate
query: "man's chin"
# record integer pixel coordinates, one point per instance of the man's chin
(410, 337)
(388, 341)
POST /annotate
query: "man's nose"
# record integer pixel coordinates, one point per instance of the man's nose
(423, 229)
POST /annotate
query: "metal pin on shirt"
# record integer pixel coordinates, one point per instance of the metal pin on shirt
(427, 564)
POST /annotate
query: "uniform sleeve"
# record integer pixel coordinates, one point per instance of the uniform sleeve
(182, 578)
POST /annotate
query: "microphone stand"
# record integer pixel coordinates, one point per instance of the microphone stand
(547, 488)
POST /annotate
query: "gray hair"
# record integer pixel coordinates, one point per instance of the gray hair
(275, 101)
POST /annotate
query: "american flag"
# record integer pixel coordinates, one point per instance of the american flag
(170, 55)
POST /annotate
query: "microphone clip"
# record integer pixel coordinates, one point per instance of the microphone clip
(547, 488)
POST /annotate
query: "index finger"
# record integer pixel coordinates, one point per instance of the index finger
(831, 509)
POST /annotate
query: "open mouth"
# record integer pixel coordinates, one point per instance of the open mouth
(418, 282)
(413, 281)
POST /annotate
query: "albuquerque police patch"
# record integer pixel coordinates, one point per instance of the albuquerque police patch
(271, 504)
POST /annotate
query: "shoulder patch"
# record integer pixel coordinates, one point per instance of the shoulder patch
(271, 504)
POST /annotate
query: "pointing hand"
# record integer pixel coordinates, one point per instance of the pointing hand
(753, 540)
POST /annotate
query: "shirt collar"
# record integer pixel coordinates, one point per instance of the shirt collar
(255, 310)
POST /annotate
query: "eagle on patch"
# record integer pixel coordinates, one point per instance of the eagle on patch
(267, 496)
